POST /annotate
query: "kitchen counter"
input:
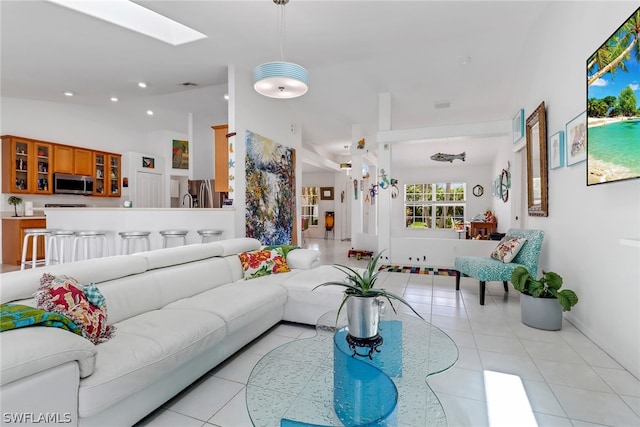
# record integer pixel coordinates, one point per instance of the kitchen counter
(115, 220)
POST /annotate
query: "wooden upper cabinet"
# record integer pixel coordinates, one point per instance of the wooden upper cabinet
(221, 163)
(77, 161)
(82, 161)
(62, 159)
(17, 165)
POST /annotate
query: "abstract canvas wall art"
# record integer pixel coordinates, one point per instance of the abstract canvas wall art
(270, 193)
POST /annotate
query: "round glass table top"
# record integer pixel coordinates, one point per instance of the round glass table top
(319, 381)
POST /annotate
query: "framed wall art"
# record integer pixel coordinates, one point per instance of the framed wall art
(517, 126)
(326, 193)
(556, 150)
(576, 139)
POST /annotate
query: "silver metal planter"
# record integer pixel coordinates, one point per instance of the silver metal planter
(363, 316)
(541, 313)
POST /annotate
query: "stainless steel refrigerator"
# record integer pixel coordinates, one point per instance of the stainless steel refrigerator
(201, 191)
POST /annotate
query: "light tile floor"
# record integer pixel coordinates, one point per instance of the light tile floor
(567, 379)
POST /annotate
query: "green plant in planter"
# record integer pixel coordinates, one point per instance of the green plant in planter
(362, 285)
(15, 201)
(546, 287)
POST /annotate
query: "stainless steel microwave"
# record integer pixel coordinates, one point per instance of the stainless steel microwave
(72, 184)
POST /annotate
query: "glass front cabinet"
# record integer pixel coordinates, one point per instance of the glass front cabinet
(107, 174)
(27, 166)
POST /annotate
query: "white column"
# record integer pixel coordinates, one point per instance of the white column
(384, 163)
(356, 176)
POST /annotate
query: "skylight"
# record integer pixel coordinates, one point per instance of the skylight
(136, 18)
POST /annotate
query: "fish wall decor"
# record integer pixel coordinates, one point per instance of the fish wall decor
(442, 157)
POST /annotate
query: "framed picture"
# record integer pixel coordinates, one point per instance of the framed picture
(517, 126)
(576, 139)
(180, 154)
(326, 193)
(556, 150)
(148, 162)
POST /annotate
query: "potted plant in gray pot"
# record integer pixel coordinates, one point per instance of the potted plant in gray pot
(542, 301)
(363, 300)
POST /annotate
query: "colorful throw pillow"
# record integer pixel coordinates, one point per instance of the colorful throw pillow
(94, 296)
(64, 295)
(508, 248)
(263, 262)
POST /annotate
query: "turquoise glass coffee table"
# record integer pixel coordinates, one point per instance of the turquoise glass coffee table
(319, 382)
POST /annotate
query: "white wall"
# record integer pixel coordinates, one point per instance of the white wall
(267, 117)
(472, 175)
(585, 224)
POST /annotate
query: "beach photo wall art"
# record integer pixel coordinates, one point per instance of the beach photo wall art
(613, 106)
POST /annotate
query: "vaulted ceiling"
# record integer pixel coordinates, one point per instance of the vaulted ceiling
(426, 54)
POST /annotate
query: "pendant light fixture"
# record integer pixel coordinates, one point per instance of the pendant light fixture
(281, 79)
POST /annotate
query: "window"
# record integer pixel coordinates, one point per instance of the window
(310, 204)
(439, 205)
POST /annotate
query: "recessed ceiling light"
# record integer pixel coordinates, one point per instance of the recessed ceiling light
(149, 113)
(465, 60)
(142, 85)
(114, 99)
(137, 18)
(67, 93)
(226, 96)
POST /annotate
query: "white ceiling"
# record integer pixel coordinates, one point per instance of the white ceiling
(353, 50)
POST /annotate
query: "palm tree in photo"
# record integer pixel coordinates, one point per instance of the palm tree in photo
(610, 57)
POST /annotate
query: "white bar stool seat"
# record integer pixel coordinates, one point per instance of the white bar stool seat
(58, 241)
(210, 234)
(91, 244)
(128, 241)
(34, 234)
(172, 235)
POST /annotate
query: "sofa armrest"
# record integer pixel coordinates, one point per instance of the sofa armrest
(26, 351)
(303, 259)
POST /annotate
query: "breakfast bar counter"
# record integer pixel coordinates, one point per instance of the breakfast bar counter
(115, 220)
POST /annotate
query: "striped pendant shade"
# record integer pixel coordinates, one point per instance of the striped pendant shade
(280, 80)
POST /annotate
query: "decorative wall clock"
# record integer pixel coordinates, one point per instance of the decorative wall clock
(478, 190)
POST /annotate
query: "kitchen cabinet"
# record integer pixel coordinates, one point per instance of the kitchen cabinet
(13, 231)
(115, 169)
(221, 163)
(107, 174)
(72, 160)
(26, 166)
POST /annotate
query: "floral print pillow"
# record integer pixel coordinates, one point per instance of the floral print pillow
(263, 262)
(508, 248)
(64, 295)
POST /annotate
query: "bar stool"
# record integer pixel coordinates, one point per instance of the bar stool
(209, 234)
(92, 243)
(168, 235)
(34, 233)
(132, 237)
(58, 241)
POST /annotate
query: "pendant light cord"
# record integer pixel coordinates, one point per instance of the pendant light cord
(281, 23)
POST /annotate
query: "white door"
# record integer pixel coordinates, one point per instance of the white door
(148, 190)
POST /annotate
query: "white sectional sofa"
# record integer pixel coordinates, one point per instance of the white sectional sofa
(178, 313)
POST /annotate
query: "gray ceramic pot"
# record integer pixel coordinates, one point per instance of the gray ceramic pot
(541, 313)
(363, 315)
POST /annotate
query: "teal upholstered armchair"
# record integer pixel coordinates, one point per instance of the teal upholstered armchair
(487, 269)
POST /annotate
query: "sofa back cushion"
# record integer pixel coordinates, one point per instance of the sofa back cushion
(20, 285)
(152, 290)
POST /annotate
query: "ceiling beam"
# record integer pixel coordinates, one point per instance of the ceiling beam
(467, 130)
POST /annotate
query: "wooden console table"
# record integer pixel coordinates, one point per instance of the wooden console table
(484, 229)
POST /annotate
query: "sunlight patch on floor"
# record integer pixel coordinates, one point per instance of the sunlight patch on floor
(507, 401)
